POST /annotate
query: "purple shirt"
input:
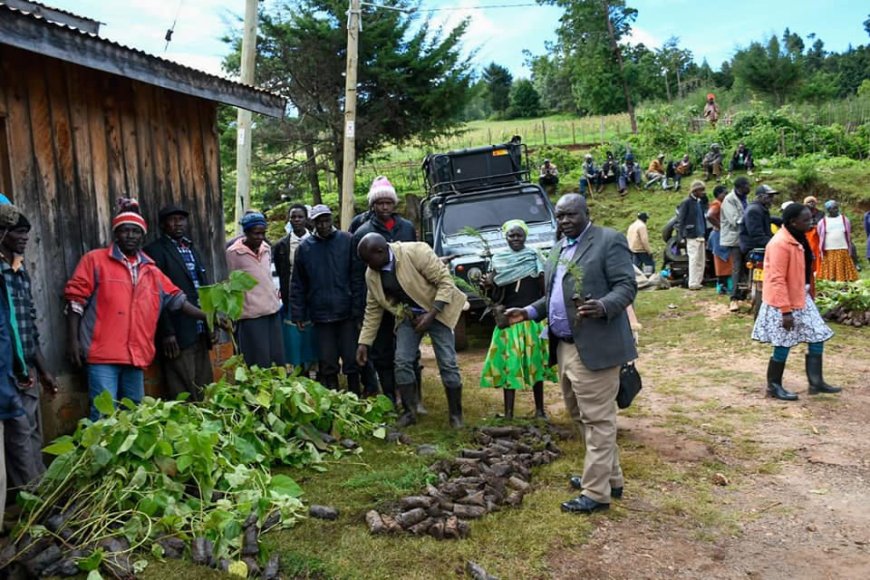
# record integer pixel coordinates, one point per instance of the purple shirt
(557, 315)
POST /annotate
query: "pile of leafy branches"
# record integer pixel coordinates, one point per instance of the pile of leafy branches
(163, 475)
(844, 302)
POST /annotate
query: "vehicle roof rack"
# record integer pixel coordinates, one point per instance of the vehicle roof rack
(475, 169)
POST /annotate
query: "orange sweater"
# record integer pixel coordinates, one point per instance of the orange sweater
(784, 273)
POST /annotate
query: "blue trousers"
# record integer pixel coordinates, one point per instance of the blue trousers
(120, 380)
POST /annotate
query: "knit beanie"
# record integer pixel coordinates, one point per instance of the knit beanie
(128, 214)
(382, 189)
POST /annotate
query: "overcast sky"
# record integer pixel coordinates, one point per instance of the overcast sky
(711, 30)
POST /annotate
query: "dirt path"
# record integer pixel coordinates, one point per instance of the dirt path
(796, 499)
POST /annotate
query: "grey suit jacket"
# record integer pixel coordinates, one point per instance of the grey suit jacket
(608, 276)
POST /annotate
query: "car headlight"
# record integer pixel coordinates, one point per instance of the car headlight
(474, 274)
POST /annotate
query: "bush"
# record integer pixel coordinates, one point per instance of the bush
(807, 172)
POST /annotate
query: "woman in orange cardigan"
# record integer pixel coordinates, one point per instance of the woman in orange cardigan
(788, 315)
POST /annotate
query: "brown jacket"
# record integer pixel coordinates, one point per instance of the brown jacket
(423, 277)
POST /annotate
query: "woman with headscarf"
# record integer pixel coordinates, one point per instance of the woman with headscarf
(258, 331)
(788, 315)
(835, 245)
(517, 356)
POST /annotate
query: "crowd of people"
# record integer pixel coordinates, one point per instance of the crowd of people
(357, 303)
(668, 174)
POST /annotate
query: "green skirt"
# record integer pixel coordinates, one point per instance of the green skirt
(517, 358)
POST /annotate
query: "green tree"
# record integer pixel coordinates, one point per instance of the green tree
(412, 83)
(590, 33)
(525, 101)
(498, 81)
(767, 70)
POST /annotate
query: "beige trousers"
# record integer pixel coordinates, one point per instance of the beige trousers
(697, 258)
(590, 397)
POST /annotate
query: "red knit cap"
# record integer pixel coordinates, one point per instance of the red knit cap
(129, 215)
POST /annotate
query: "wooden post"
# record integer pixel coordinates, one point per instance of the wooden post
(544, 131)
(243, 132)
(601, 128)
(489, 133)
(573, 133)
(349, 157)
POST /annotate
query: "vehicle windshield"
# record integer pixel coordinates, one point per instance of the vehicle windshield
(487, 214)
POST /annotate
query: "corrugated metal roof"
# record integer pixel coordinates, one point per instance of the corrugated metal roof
(30, 31)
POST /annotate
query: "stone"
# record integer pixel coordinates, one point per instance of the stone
(323, 512)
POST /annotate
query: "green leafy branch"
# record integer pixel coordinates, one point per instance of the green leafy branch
(227, 298)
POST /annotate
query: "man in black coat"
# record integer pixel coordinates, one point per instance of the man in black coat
(321, 292)
(183, 342)
(755, 227)
(382, 220)
(590, 338)
(692, 227)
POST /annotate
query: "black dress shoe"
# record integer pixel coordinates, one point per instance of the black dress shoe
(584, 505)
(577, 483)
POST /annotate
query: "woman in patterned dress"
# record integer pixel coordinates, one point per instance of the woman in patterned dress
(788, 315)
(517, 357)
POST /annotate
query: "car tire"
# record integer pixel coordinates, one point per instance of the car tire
(460, 338)
(671, 253)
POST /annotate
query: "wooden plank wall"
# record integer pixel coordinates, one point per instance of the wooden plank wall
(77, 140)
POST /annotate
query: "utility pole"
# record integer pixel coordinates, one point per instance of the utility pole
(243, 124)
(348, 168)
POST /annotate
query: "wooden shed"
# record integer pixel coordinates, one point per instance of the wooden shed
(84, 121)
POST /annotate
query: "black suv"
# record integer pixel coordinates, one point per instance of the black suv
(481, 188)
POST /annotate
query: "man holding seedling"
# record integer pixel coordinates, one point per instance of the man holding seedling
(410, 282)
(589, 284)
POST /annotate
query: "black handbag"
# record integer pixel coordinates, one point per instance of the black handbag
(630, 385)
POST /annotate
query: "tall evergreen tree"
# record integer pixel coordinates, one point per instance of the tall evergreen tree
(498, 81)
(412, 83)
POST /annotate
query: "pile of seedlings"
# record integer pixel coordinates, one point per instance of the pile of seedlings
(844, 302)
(477, 482)
(179, 479)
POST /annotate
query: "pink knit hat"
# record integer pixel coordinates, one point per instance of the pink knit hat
(382, 189)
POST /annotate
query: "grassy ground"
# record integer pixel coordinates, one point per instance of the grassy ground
(676, 446)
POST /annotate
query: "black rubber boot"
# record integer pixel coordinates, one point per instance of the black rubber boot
(774, 382)
(409, 402)
(388, 383)
(814, 374)
(329, 381)
(454, 406)
(538, 392)
(353, 384)
(510, 396)
(418, 373)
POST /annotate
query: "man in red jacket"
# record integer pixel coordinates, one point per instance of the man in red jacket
(115, 297)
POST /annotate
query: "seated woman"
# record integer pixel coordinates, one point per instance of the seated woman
(518, 354)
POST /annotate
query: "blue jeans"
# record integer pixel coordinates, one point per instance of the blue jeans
(120, 380)
(408, 344)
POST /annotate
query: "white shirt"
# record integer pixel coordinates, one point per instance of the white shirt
(835, 234)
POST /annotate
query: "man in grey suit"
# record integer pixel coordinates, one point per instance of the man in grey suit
(590, 338)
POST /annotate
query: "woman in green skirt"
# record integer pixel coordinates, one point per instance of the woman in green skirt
(517, 357)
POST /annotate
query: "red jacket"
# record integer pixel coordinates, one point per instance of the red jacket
(119, 320)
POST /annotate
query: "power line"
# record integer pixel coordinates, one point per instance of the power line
(171, 30)
(480, 7)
